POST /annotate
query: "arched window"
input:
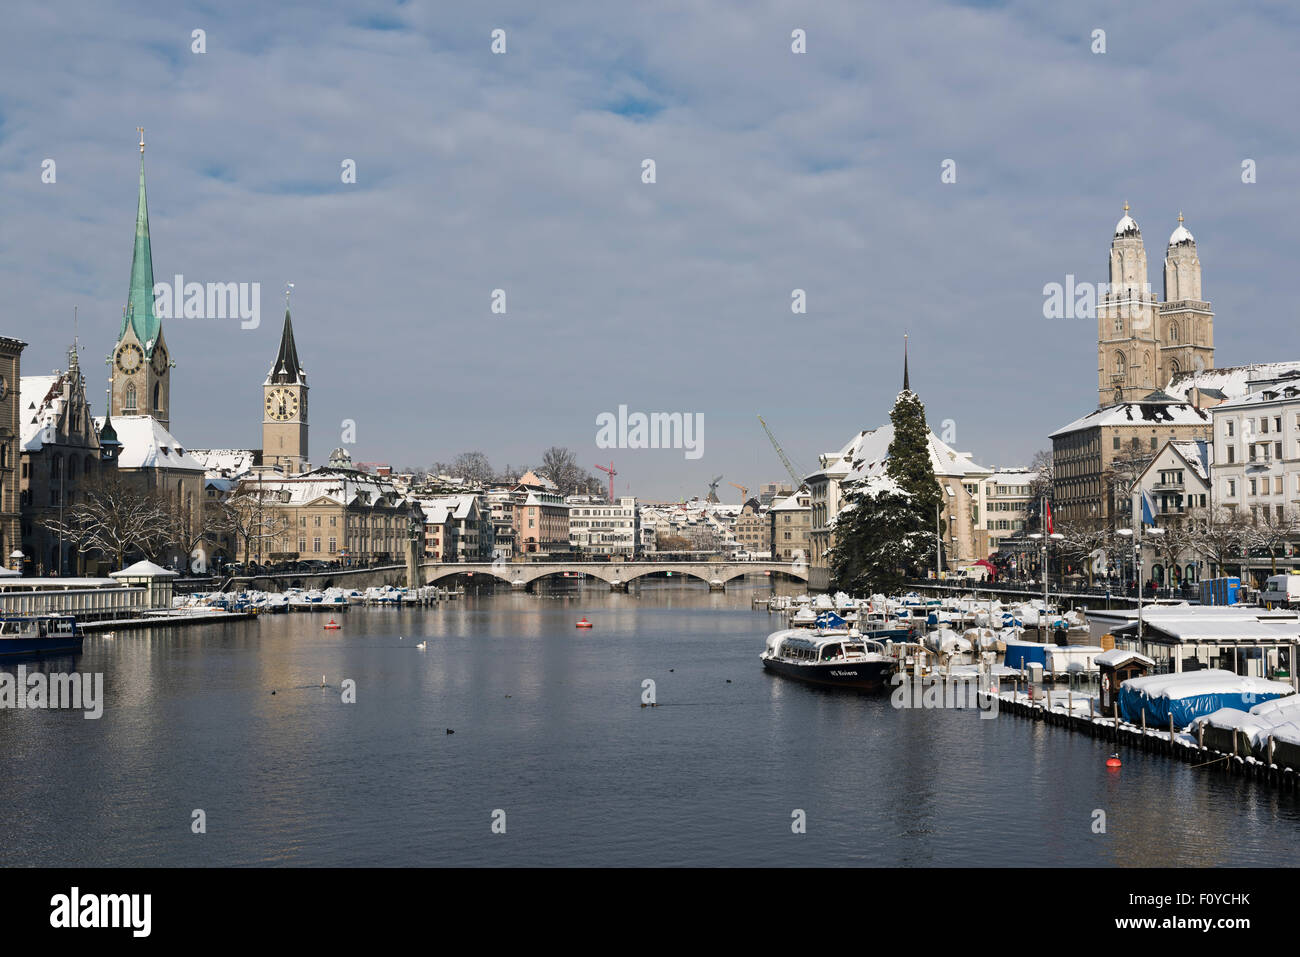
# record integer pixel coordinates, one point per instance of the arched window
(72, 467)
(1121, 364)
(1173, 331)
(56, 466)
(157, 395)
(1174, 367)
(128, 405)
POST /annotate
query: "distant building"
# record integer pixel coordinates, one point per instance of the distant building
(10, 417)
(61, 462)
(1003, 508)
(1256, 453)
(790, 526)
(751, 530)
(599, 528)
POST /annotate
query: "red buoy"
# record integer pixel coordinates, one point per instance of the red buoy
(584, 623)
(1113, 761)
(332, 624)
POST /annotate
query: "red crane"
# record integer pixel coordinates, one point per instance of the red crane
(612, 473)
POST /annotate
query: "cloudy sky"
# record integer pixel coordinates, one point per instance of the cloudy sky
(523, 172)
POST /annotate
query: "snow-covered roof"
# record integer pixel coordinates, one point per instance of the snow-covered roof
(1232, 381)
(147, 445)
(226, 462)
(870, 456)
(436, 511)
(457, 506)
(1127, 226)
(144, 569)
(1287, 393)
(1197, 456)
(793, 503)
(1181, 235)
(1117, 656)
(40, 404)
(341, 486)
(1139, 413)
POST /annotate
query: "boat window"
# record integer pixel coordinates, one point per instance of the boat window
(831, 652)
(44, 625)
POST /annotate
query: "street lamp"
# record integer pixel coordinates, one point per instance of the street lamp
(1046, 541)
(1137, 562)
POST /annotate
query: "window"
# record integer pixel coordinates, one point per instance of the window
(157, 397)
(1232, 488)
(1232, 455)
(315, 544)
(129, 404)
(1115, 443)
(1263, 425)
(1229, 427)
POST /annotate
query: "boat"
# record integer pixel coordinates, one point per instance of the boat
(39, 635)
(835, 657)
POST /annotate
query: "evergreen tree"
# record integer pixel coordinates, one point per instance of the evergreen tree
(887, 528)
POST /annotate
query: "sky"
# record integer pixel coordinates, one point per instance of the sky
(522, 171)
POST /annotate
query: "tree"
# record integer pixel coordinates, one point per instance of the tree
(560, 465)
(878, 539)
(117, 519)
(1272, 535)
(473, 467)
(1220, 535)
(888, 523)
(251, 516)
(1043, 465)
(1120, 478)
(1081, 541)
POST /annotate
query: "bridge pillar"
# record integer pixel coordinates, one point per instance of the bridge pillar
(518, 585)
(717, 585)
(618, 586)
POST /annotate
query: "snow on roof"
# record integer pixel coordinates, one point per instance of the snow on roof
(792, 504)
(146, 444)
(1137, 413)
(457, 506)
(144, 569)
(1181, 235)
(342, 486)
(1127, 226)
(1117, 656)
(1197, 455)
(227, 462)
(867, 454)
(1232, 381)
(40, 404)
(1201, 628)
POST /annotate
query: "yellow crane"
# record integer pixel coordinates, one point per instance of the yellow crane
(744, 492)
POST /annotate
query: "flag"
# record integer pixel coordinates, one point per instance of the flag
(1148, 508)
(1048, 506)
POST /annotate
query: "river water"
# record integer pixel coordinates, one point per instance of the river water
(552, 743)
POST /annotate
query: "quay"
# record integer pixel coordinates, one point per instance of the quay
(1179, 745)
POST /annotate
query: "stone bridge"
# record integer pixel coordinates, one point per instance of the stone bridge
(618, 575)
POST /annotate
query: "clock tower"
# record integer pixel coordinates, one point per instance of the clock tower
(284, 407)
(141, 366)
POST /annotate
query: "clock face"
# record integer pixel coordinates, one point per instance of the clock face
(281, 404)
(160, 360)
(129, 358)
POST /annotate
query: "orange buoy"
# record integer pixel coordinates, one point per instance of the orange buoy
(584, 623)
(1113, 761)
(331, 624)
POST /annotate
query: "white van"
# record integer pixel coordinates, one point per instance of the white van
(1281, 590)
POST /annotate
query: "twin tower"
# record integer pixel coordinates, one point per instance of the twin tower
(1143, 343)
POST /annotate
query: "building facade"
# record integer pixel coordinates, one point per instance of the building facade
(1257, 454)
(10, 508)
(790, 527)
(599, 528)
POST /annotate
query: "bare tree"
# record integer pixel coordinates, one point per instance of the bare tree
(1044, 466)
(1272, 534)
(1121, 476)
(472, 467)
(116, 519)
(1082, 540)
(251, 515)
(1220, 535)
(560, 465)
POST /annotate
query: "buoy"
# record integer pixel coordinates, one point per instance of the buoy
(1113, 761)
(584, 623)
(331, 624)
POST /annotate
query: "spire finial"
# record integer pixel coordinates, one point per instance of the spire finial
(288, 288)
(906, 385)
(1180, 217)
(140, 130)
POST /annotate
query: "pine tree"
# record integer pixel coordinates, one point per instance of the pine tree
(887, 528)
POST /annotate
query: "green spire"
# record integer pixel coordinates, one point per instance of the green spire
(140, 309)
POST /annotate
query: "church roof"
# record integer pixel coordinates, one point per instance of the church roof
(286, 367)
(1181, 235)
(147, 445)
(140, 304)
(40, 404)
(1155, 412)
(1127, 226)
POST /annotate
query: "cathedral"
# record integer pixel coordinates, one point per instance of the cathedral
(1142, 342)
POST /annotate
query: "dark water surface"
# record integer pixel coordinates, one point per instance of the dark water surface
(549, 729)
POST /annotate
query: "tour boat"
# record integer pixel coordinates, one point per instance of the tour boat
(39, 635)
(836, 657)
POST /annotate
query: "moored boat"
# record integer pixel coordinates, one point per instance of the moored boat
(39, 635)
(835, 657)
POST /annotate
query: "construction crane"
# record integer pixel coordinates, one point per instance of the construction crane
(744, 492)
(713, 490)
(610, 471)
(785, 459)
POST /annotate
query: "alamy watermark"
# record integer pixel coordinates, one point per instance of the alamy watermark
(78, 691)
(960, 692)
(654, 430)
(1079, 300)
(212, 300)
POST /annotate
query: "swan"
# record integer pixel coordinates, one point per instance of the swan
(421, 646)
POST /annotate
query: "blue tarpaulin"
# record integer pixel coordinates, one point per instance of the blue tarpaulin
(1022, 654)
(1190, 695)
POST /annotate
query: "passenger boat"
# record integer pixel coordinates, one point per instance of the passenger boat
(39, 635)
(836, 657)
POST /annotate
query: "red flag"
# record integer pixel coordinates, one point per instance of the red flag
(1049, 517)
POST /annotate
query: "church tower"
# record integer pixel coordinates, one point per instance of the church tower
(1186, 320)
(141, 366)
(284, 407)
(1127, 348)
